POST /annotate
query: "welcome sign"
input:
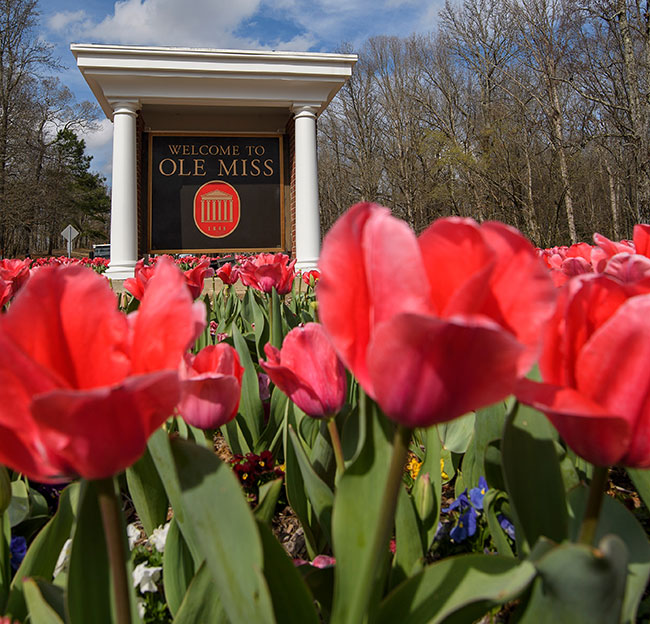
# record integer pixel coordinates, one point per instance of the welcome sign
(215, 193)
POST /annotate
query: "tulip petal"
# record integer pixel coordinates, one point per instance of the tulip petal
(98, 433)
(23, 453)
(612, 370)
(642, 239)
(592, 431)
(458, 264)
(425, 370)
(209, 401)
(83, 350)
(167, 322)
(370, 269)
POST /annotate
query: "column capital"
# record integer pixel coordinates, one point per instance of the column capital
(125, 107)
(305, 110)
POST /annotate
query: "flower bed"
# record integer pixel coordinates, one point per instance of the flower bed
(443, 426)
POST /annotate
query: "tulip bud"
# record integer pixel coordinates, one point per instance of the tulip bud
(5, 490)
(423, 496)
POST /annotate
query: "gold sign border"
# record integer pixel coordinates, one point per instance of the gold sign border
(198, 133)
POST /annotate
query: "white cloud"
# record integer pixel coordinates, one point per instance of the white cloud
(65, 19)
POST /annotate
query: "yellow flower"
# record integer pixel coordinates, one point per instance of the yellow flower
(442, 469)
(413, 467)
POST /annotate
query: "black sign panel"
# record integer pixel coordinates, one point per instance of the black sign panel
(215, 193)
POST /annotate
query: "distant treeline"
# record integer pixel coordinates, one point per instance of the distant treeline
(45, 177)
(532, 112)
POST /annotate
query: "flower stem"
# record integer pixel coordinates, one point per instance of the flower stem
(594, 503)
(115, 545)
(385, 523)
(336, 445)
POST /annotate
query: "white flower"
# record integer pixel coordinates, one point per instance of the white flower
(159, 537)
(146, 577)
(133, 533)
(142, 608)
(63, 560)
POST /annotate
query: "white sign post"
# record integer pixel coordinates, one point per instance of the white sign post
(69, 233)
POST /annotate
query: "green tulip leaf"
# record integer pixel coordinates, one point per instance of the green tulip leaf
(229, 536)
(178, 567)
(19, 505)
(641, 480)
(45, 602)
(462, 587)
(319, 494)
(250, 407)
(147, 493)
(161, 454)
(269, 493)
(456, 434)
(355, 517)
(409, 548)
(427, 492)
(616, 519)
(292, 601)
(533, 478)
(88, 594)
(44, 551)
(577, 583)
(201, 604)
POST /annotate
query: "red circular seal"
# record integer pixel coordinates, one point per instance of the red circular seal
(216, 209)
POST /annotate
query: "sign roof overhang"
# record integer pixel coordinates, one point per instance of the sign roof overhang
(170, 76)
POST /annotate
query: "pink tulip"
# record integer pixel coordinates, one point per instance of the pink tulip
(435, 326)
(228, 274)
(308, 276)
(308, 371)
(195, 277)
(267, 271)
(137, 284)
(84, 385)
(594, 364)
(13, 276)
(211, 386)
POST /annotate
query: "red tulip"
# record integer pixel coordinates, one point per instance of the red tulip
(641, 239)
(308, 371)
(13, 275)
(267, 271)
(308, 276)
(196, 277)
(137, 284)
(594, 366)
(435, 326)
(211, 386)
(228, 274)
(84, 385)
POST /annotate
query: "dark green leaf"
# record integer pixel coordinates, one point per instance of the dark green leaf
(45, 602)
(268, 499)
(88, 595)
(19, 505)
(578, 584)
(452, 584)
(178, 567)
(228, 533)
(292, 601)
(533, 478)
(408, 541)
(147, 492)
(202, 602)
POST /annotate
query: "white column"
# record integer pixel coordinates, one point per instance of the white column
(124, 198)
(307, 211)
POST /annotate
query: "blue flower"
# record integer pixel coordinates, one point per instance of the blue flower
(462, 502)
(507, 526)
(17, 551)
(477, 494)
(465, 527)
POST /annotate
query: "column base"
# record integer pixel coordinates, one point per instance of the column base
(120, 271)
(306, 264)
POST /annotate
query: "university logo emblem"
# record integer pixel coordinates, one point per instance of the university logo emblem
(216, 209)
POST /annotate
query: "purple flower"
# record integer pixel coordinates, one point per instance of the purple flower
(462, 502)
(465, 527)
(17, 551)
(477, 494)
(506, 525)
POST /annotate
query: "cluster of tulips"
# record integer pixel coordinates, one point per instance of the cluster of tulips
(429, 327)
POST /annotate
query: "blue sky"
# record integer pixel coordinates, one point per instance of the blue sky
(300, 25)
